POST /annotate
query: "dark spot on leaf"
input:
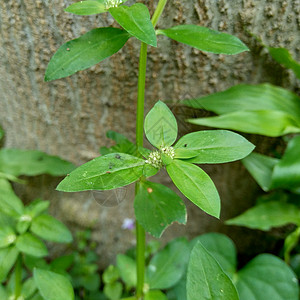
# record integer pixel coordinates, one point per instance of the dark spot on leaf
(185, 145)
(68, 49)
(108, 172)
(117, 156)
(111, 165)
(149, 190)
(40, 158)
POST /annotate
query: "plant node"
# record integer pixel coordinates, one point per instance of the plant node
(155, 157)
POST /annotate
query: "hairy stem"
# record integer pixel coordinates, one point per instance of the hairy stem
(18, 277)
(140, 232)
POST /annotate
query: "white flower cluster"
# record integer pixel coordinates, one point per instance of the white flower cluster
(155, 159)
(112, 3)
(169, 151)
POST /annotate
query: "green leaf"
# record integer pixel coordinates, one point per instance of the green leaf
(267, 277)
(221, 248)
(244, 97)
(62, 263)
(286, 173)
(31, 245)
(85, 8)
(260, 109)
(32, 262)
(136, 20)
(196, 185)
(156, 207)
(206, 279)
(167, 266)
(123, 145)
(8, 257)
(127, 269)
(53, 286)
(113, 291)
(149, 170)
(267, 215)
(261, 168)
(104, 173)
(6, 220)
(23, 224)
(205, 39)
(7, 236)
(185, 153)
(4, 294)
(284, 57)
(85, 51)
(161, 126)
(31, 162)
(178, 292)
(37, 297)
(50, 229)
(269, 123)
(12, 178)
(10, 204)
(111, 274)
(290, 242)
(37, 207)
(28, 288)
(215, 146)
(155, 295)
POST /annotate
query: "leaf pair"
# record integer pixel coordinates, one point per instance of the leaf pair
(164, 206)
(261, 109)
(100, 43)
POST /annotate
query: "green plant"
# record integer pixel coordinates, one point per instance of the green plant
(271, 111)
(199, 263)
(156, 206)
(84, 271)
(23, 229)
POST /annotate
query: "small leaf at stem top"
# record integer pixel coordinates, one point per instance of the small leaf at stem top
(161, 126)
(85, 8)
(136, 20)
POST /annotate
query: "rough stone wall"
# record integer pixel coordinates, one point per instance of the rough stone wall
(69, 117)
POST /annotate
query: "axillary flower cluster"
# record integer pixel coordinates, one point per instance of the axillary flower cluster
(155, 157)
(113, 3)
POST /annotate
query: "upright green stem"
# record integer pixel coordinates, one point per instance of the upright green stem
(140, 232)
(18, 277)
(141, 96)
(159, 9)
